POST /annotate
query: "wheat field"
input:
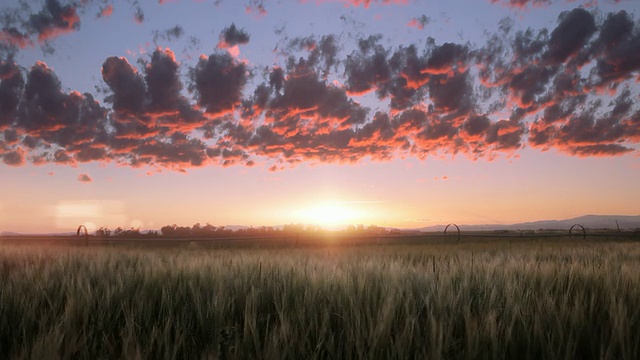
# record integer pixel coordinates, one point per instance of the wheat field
(527, 300)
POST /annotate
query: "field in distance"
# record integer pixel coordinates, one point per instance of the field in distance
(332, 238)
(480, 298)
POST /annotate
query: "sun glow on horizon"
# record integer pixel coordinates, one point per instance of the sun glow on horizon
(330, 214)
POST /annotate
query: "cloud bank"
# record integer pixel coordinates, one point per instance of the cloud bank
(571, 88)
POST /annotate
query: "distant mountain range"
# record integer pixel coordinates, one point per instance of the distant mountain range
(9, 233)
(625, 222)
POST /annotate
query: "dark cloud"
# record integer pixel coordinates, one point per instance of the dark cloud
(138, 15)
(406, 76)
(165, 100)
(545, 80)
(525, 86)
(528, 45)
(105, 11)
(232, 36)
(618, 57)
(321, 54)
(525, 4)
(15, 38)
(22, 27)
(276, 79)
(308, 43)
(30, 142)
(257, 6)
(74, 121)
(366, 68)
(126, 83)
(10, 136)
(574, 29)
(325, 54)
(54, 19)
(163, 81)
(14, 157)
(617, 28)
(588, 132)
(47, 118)
(599, 150)
(151, 118)
(505, 135)
(306, 119)
(177, 152)
(476, 125)
(451, 93)
(62, 157)
(542, 80)
(170, 34)
(419, 22)
(380, 138)
(445, 58)
(45, 105)
(406, 87)
(151, 102)
(84, 178)
(53, 115)
(218, 81)
(11, 86)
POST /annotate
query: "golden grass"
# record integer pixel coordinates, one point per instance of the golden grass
(488, 300)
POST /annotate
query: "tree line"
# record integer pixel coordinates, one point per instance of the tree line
(208, 230)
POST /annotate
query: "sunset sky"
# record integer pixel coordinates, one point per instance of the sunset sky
(401, 113)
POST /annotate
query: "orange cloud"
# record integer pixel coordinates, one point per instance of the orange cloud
(14, 37)
(419, 22)
(106, 11)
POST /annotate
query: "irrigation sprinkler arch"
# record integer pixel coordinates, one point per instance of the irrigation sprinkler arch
(86, 234)
(584, 232)
(457, 229)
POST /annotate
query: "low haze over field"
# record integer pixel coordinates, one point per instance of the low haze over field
(396, 113)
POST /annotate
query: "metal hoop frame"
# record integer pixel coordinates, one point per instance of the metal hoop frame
(457, 229)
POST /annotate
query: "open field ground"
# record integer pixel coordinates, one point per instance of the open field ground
(481, 298)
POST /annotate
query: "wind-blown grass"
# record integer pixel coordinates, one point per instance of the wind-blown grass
(466, 301)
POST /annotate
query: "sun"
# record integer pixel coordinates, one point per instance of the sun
(329, 214)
